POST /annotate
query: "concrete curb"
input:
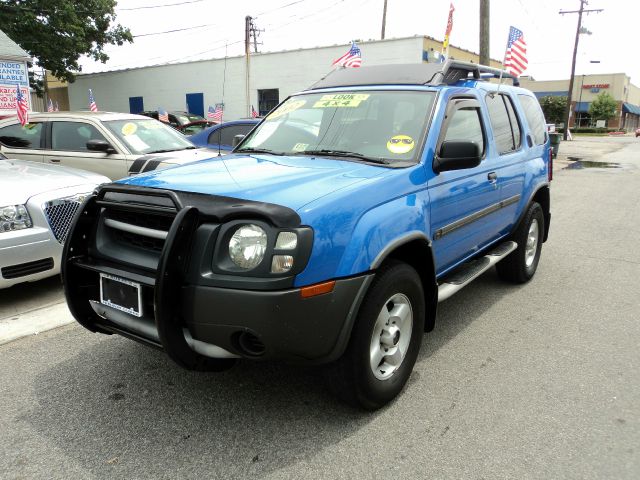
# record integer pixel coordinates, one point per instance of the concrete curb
(33, 322)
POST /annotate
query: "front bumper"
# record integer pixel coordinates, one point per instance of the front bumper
(186, 317)
(29, 250)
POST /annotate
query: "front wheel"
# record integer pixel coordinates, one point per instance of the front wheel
(521, 264)
(385, 340)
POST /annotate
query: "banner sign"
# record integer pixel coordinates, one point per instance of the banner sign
(12, 74)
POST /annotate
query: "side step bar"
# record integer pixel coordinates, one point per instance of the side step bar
(469, 271)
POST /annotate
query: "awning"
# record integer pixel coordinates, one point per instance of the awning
(582, 107)
(630, 108)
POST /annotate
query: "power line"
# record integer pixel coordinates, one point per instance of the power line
(159, 6)
(173, 31)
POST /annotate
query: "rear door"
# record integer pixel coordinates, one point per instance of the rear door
(68, 147)
(23, 143)
(464, 203)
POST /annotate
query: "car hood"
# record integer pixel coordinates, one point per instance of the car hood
(181, 156)
(20, 180)
(289, 181)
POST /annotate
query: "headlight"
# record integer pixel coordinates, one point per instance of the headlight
(14, 217)
(248, 246)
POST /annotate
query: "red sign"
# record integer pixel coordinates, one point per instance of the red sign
(596, 85)
(8, 97)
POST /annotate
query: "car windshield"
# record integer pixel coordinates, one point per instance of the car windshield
(194, 128)
(184, 118)
(377, 126)
(148, 136)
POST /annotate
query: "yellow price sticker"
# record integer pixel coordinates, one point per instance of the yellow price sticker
(341, 100)
(129, 128)
(286, 108)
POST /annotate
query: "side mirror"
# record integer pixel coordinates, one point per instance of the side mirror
(100, 146)
(457, 155)
(237, 139)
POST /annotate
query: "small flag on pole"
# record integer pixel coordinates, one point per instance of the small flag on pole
(447, 33)
(163, 116)
(22, 107)
(254, 114)
(92, 102)
(215, 114)
(515, 58)
(353, 58)
(50, 106)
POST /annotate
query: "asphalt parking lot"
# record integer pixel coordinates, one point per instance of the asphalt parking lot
(533, 381)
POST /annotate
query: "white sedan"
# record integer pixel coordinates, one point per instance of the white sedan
(37, 205)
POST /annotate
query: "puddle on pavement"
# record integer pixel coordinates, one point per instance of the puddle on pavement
(582, 164)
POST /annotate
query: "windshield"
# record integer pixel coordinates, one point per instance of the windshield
(379, 126)
(184, 118)
(148, 136)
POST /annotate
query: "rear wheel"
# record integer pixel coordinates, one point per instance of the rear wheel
(385, 340)
(521, 264)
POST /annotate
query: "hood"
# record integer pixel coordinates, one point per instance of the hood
(289, 181)
(181, 156)
(20, 179)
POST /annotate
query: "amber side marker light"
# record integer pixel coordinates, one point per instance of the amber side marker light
(317, 289)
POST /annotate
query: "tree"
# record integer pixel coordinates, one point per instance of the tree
(603, 107)
(553, 108)
(58, 32)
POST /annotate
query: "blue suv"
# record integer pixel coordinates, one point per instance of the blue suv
(331, 232)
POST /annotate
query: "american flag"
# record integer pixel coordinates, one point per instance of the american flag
(22, 107)
(353, 58)
(50, 106)
(254, 114)
(57, 108)
(215, 114)
(92, 102)
(163, 116)
(515, 58)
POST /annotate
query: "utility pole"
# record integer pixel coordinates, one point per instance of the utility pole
(384, 19)
(484, 32)
(567, 112)
(247, 48)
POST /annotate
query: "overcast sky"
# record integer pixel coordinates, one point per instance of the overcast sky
(292, 24)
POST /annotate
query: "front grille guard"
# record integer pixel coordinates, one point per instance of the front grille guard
(80, 283)
(60, 213)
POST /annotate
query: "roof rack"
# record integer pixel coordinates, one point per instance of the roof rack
(448, 73)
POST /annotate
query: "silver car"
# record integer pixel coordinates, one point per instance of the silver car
(37, 205)
(112, 144)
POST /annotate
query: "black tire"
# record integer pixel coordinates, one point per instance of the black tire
(352, 378)
(515, 268)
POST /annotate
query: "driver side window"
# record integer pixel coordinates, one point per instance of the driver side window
(466, 125)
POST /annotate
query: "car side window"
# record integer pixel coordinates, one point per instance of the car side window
(227, 133)
(214, 137)
(506, 129)
(465, 125)
(73, 136)
(17, 136)
(535, 118)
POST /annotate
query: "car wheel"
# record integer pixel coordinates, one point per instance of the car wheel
(521, 264)
(385, 340)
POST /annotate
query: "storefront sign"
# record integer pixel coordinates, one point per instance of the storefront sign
(596, 85)
(12, 74)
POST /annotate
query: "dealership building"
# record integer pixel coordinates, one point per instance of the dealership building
(196, 85)
(585, 90)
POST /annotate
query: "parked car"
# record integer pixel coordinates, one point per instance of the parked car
(187, 123)
(37, 205)
(220, 137)
(111, 144)
(331, 232)
(638, 133)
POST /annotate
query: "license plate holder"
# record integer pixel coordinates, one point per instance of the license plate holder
(121, 294)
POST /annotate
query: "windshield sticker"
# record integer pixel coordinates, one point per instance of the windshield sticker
(136, 142)
(341, 100)
(286, 108)
(129, 129)
(300, 147)
(400, 144)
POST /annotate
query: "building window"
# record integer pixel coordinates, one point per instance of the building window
(267, 100)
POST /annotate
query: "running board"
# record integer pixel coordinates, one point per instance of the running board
(469, 271)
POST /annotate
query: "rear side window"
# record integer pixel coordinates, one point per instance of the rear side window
(17, 136)
(227, 133)
(506, 129)
(466, 125)
(535, 118)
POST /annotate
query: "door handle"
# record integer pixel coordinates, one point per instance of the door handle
(54, 160)
(492, 177)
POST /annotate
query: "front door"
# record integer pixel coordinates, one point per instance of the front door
(68, 147)
(463, 202)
